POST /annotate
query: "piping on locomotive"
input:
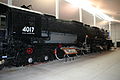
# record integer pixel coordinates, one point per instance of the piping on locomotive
(28, 36)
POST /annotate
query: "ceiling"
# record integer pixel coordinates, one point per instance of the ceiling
(109, 7)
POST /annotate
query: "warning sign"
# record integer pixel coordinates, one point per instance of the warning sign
(69, 50)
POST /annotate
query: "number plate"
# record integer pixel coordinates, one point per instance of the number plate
(28, 30)
(4, 57)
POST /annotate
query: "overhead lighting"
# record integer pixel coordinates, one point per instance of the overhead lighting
(86, 5)
(79, 3)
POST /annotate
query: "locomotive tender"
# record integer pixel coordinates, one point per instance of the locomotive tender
(28, 36)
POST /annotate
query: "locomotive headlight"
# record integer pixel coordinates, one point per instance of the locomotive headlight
(2, 61)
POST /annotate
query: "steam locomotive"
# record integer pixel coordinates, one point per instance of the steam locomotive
(28, 36)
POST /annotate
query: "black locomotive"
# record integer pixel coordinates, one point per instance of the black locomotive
(28, 36)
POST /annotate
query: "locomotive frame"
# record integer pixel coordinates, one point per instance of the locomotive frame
(29, 36)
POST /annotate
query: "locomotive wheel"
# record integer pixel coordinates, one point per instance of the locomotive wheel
(1, 66)
(30, 60)
(19, 60)
(18, 63)
(45, 58)
(51, 57)
(59, 54)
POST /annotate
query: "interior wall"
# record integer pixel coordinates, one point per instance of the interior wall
(87, 18)
(99, 22)
(44, 6)
(4, 1)
(115, 32)
(68, 11)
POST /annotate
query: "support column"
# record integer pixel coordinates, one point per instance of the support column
(94, 20)
(80, 14)
(115, 38)
(110, 32)
(10, 2)
(57, 9)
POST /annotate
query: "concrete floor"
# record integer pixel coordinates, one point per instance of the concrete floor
(104, 66)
